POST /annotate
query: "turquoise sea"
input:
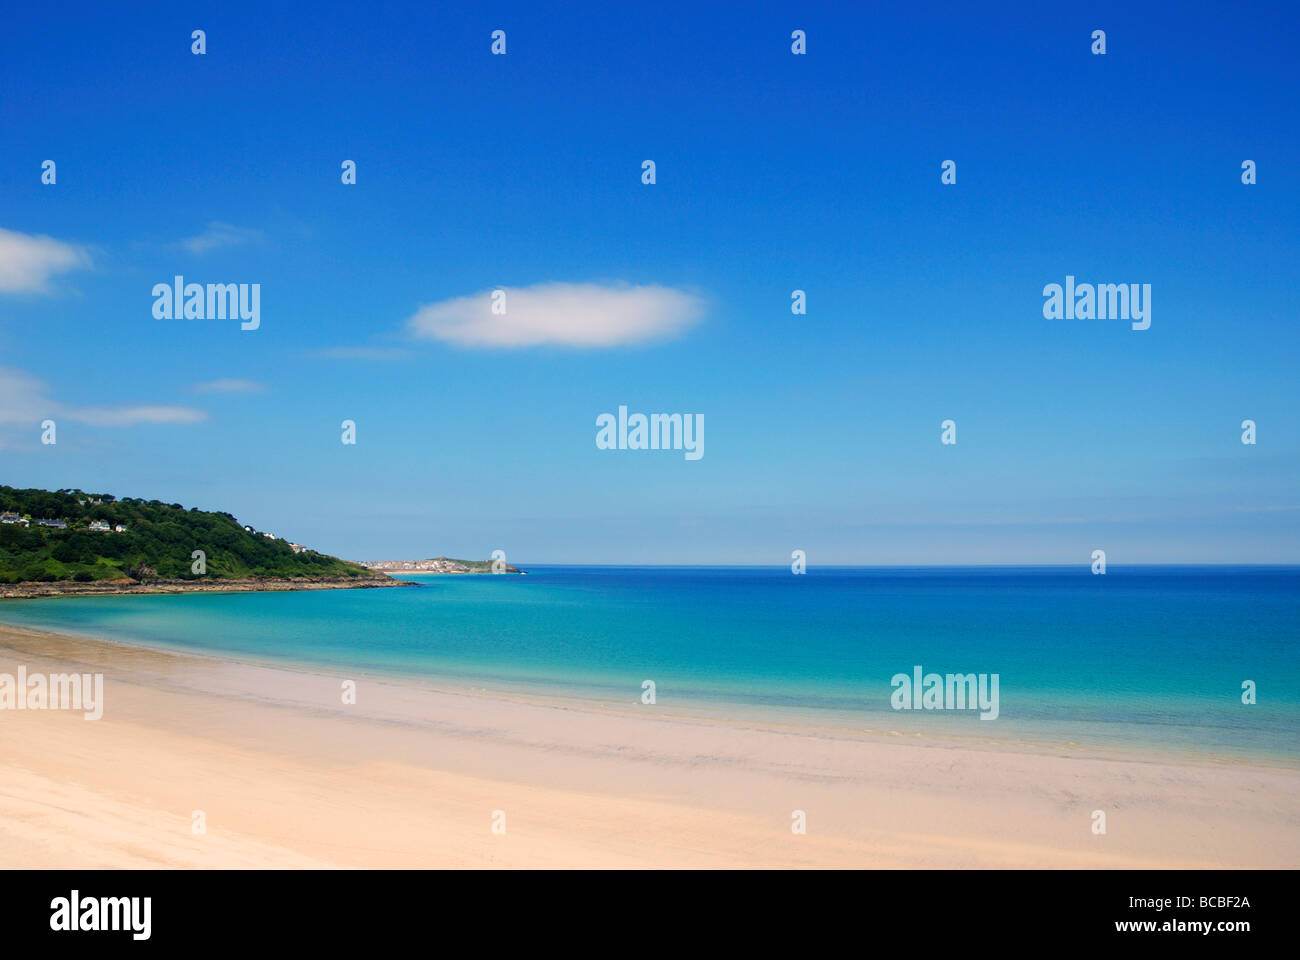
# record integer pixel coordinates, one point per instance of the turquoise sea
(1140, 658)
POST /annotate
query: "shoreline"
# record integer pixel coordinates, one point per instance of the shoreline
(288, 775)
(30, 590)
(1029, 737)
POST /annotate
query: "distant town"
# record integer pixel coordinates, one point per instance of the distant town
(435, 565)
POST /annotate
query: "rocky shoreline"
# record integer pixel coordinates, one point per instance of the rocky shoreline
(62, 588)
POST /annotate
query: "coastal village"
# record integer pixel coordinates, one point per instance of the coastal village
(91, 514)
(296, 547)
(98, 526)
(432, 565)
(103, 526)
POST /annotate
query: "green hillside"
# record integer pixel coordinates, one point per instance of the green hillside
(158, 542)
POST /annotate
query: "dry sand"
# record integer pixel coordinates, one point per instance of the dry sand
(286, 775)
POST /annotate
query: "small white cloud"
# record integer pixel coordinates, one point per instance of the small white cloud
(27, 262)
(25, 400)
(130, 416)
(228, 385)
(219, 235)
(563, 314)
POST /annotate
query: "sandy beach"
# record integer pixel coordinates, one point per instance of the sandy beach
(287, 775)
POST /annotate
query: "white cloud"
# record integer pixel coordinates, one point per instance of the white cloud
(564, 314)
(25, 400)
(130, 416)
(27, 262)
(228, 385)
(219, 235)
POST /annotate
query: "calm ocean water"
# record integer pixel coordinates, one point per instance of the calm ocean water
(1141, 657)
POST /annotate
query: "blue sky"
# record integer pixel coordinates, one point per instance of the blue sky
(774, 172)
